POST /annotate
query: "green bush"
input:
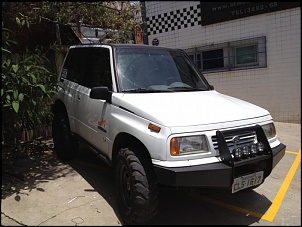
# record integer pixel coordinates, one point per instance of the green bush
(26, 91)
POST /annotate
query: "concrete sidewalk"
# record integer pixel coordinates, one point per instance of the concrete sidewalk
(79, 192)
(57, 193)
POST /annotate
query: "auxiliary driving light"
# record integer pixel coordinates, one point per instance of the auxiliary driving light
(260, 147)
(246, 150)
(253, 149)
(237, 152)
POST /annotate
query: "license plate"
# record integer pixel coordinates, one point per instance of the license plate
(247, 181)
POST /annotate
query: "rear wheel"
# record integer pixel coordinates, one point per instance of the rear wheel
(65, 145)
(135, 188)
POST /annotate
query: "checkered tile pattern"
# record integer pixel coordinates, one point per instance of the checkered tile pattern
(173, 20)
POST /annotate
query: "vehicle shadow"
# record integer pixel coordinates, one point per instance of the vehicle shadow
(208, 207)
(178, 206)
(96, 173)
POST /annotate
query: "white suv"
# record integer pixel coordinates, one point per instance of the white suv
(150, 114)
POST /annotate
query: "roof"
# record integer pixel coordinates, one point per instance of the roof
(114, 45)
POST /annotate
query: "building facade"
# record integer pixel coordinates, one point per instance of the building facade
(248, 50)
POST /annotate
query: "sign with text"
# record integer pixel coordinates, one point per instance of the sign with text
(215, 12)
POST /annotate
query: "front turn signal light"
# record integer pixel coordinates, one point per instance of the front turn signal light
(174, 147)
(154, 127)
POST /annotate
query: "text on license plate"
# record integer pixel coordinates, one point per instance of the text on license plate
(247, 181)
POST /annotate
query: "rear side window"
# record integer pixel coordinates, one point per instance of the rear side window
(74, 65)
(90, 67)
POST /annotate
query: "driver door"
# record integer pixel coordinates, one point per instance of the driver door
(94, 115)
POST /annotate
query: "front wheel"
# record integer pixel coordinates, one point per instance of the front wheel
(65, 145)
(135, 188)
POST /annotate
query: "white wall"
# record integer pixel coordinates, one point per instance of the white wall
(276, 87)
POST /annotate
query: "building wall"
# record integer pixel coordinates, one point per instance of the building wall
(276, 87)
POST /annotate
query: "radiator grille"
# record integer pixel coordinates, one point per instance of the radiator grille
(235, 140)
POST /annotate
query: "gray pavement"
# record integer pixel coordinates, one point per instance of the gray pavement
(81, 192)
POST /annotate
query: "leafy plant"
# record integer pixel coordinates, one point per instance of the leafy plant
(27, 83)
(26, 91)
(117, 18)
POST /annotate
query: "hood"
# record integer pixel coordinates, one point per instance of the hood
(178, 109)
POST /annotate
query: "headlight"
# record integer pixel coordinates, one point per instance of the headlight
(188, 145)
(269, 130)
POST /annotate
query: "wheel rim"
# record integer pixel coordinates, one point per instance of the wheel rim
(126, 185)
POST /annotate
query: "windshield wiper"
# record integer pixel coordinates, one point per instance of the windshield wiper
(186, 89)
(144, 90)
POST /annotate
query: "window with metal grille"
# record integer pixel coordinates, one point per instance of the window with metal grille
(212, 59)
(235, 55)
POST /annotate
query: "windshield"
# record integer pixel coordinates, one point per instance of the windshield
(157, 70)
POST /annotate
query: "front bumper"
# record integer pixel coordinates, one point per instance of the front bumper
(215, 175)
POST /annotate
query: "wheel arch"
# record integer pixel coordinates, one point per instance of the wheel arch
(126, 140)
(58, 107)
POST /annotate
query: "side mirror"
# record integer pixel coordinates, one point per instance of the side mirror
(100, 93)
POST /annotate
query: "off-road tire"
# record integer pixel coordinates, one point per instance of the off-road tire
(65, 146)
(136, 187)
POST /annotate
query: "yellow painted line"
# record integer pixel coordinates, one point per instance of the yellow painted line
(273, 209)
(291, 152)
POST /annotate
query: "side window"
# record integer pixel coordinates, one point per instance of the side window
(98, 70)
(89, 67)
(73, 67)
